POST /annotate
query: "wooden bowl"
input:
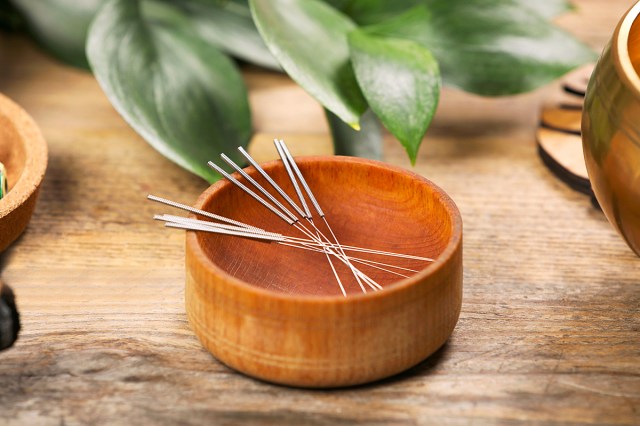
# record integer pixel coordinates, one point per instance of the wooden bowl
(276, 312)
(611, 129)
(23, 151)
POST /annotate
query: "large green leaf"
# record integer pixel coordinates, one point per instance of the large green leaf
(490, 47)
(60, 26)
(229, 26)
(181, 94)
(547, 8)
(309, 39)
(366, 143)
(367, 12)
(401, 81)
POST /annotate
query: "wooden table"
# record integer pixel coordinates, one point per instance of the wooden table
(550, 322)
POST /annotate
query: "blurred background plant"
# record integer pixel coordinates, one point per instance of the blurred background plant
(168, 66)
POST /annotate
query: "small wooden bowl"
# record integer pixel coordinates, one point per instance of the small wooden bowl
(276, 313)
(23, 151)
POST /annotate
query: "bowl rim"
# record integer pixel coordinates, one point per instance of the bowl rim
(453, 245)
(36, 156)
(621, 48)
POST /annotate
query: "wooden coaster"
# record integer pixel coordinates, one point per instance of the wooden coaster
(559, 137)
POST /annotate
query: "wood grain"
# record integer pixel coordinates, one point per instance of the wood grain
(548, 330)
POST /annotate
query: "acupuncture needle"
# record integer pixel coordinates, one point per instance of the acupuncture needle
(280, 206)
(268, 178)
(306, 213)
(235, 222)
(322, 215)
(308, 216)
(200, 212)
(279, 239)
(280, 214)
(289, 167)
(350, 258)
(265, 204)
(180, 219)
(239, 225)
(296, 187)
(382, 253)
(273, 184)
(307, 244)
(312, 197)
(284, 195)
(217, 230)
(293, 219)
(250, 192)
(300, 243)
(286, 157)
(258, 187)
(315, 203)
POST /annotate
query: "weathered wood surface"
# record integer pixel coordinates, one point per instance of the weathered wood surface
(550, 322)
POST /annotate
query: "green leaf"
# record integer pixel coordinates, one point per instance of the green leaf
(181, 94)
(366, 143)
(309, 39)
(490, 47)
(60, 26)
(548, 8)
(367, 12)
(229, 26)
(401, 81)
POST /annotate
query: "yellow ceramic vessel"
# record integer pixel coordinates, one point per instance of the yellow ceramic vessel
(611, 129)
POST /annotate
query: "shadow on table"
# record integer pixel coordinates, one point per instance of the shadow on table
(423, 368)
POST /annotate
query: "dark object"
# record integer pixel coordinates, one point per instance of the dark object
(567, 87)
(9, 318)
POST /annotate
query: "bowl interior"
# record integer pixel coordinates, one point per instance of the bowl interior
(367, 204)
(12, 150)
